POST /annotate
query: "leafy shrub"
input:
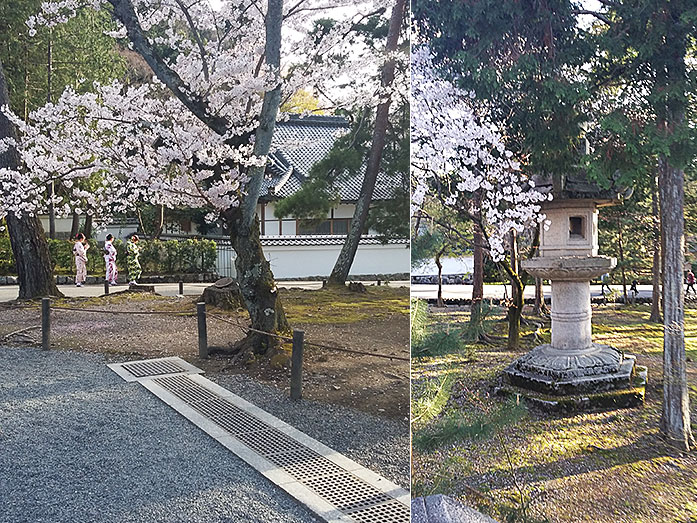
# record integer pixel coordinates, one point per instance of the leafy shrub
(7, 260)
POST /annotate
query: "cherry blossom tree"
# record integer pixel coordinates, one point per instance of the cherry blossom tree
(460, 157)
(199, 133)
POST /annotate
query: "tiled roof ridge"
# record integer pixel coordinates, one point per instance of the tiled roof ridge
(316, 119)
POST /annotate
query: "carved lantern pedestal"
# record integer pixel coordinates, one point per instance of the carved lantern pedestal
(572, 372)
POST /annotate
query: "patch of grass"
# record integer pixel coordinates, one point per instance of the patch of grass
(341, 306)
(602, 466)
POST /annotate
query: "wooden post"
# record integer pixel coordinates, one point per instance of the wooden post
(296, 369)
(202, 330)
(181, 288)
(45, 323)
(106, 287)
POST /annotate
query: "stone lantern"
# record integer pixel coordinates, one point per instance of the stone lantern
(572, 367)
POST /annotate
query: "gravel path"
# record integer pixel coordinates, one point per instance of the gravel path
(79, 444)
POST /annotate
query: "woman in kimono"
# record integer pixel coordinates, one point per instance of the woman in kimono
(134, 268)
(80, 253)
(112, 272)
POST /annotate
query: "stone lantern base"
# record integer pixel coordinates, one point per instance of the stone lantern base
(552, 371)
(573, 371)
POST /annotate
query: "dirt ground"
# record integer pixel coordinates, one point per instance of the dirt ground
(375, 322)
(519, 464)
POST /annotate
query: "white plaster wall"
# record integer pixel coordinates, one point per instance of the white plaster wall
(344, 210)
(63, 225)
(303, 261)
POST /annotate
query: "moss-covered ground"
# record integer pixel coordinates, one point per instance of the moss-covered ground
(519, 464)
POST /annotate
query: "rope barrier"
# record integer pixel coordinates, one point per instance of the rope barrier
(163, 313)
(77, 309)
(234, 323)
(314, 344)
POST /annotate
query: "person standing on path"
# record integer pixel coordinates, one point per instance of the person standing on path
(80, 253)
(112, 273)
(604, 279)
(134, 268)
(690, 279)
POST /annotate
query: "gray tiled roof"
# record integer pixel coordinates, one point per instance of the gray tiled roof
(297, 145)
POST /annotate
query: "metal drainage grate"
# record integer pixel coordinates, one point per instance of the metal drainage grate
(390, 512)
(346, 492)
(305, 464)
(355, 498)
(140, 369)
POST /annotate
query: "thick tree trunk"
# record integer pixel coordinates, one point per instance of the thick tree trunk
(258, 288)
(26, 233)
(670, 82)
(31, 257)
(343, 264)
(675, 418)
(656, 268)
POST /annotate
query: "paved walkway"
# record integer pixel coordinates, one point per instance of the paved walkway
(10, 292)
(80, 444)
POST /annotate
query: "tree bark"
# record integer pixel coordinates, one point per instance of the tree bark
(27, 237)
(258, 288)
(675, 418)
(88, 226)
(477, 280)
(515, 309)
(656, 268)
(343, 264)
(75, 225)
(671, 74)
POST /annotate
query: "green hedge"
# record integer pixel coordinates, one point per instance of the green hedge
(156, 257)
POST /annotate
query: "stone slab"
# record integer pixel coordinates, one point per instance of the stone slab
(444, 509)
(570, 385)
(629, 396)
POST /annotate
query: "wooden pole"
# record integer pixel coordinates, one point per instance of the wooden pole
(106, 287)
(45, 323)
(296, 369)
(202, 330)
(181, 288)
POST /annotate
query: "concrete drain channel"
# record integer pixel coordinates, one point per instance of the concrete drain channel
(330, 484)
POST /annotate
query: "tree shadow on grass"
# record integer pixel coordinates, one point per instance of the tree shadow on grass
(646, 447)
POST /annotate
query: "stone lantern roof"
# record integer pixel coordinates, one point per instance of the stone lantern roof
(578, 186)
